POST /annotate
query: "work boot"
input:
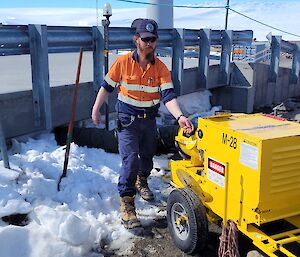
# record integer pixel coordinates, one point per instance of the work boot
(128, 214)
(143, 189)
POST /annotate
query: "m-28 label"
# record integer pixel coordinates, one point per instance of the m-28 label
(229, 140)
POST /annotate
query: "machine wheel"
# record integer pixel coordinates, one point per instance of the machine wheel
(187, 220)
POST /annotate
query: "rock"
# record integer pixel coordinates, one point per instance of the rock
(254, 253)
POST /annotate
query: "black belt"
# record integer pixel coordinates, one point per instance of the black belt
(145, 115)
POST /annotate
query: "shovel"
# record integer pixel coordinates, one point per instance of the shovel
(71, 124)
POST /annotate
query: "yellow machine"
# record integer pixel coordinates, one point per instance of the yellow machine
(244, 168)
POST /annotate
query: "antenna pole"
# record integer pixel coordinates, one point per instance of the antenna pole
(97, 13)
(226, 19)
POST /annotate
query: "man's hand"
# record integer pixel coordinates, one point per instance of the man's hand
(96, 116)
(100, 99)
(186, 124)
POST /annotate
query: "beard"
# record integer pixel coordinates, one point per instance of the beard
(150, 56)
(147, 52)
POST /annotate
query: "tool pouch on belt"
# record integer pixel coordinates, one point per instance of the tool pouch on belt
(124, 120)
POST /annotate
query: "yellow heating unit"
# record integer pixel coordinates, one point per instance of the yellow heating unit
(244, 168)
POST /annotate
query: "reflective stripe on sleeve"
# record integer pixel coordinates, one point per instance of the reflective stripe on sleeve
(165, 86)
(137, 87)
(110, 81)
(136, 103)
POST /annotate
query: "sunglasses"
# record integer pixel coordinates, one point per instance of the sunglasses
(149, 39)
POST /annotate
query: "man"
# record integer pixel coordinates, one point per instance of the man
(142, 81)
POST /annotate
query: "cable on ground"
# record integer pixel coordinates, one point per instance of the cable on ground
(229, 246)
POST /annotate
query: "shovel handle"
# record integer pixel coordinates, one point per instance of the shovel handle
(71, 123)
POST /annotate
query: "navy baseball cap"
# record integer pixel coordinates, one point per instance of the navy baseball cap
(145, 27)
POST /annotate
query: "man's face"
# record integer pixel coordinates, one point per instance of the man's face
(146, 45)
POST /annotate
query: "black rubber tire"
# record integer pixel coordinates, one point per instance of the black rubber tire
(198, 234)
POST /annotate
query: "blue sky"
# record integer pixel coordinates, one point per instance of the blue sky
(92, 3)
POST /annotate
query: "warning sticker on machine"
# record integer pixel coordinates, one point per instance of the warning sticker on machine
(216, 172)
(249, 155)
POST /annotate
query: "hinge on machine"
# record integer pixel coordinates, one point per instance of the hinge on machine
(200, 172)
(258, 211)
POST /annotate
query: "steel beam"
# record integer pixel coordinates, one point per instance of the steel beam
(204, 53)
(178, 59)
(225, 57)
(38, 45)
(98, 57)
(3, 148)
(296, 65)
(275, 57)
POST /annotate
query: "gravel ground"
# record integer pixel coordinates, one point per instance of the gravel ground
(161, 243)
(156, 241)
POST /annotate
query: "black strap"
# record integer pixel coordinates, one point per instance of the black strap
(179, 117)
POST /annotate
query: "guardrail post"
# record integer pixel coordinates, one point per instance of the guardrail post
(99, 72)
(296, 65)
(204, 53)
(98, 56)
(178, 60)
(275, 57)
(3, 148)
(225, 57)
(38, 45)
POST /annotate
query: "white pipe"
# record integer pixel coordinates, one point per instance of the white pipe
(161, 12)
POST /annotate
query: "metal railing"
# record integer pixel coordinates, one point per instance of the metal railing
(40, 40)
(277, 47)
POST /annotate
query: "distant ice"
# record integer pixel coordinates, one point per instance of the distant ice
(280, 14)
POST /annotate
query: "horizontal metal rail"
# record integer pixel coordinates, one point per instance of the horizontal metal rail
(243, 36)
(287, 47)
(15, 40)
(69, 39)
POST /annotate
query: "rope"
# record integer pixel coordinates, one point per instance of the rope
(229, 241)
(178, 6)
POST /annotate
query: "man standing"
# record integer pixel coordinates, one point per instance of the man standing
(142, 81)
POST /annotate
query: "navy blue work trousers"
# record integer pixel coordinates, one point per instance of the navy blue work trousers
(137, 146)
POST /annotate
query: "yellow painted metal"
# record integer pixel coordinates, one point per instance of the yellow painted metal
(295, 220)
(188, 146)
(265, 242)
(182, 219)
(245, 168)
(286, 234)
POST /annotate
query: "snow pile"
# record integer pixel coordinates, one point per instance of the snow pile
(190, 104)
(11, 202)
(78, 219)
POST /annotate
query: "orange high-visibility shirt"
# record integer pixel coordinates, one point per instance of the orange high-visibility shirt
(136, 87)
